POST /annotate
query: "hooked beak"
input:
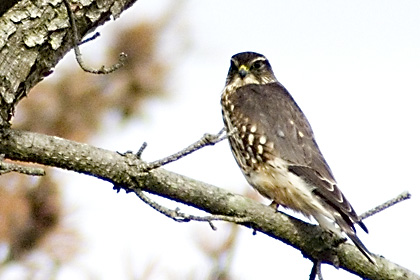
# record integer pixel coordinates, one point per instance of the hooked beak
(243, 71)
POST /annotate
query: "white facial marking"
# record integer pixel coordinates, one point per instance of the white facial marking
(261, 58)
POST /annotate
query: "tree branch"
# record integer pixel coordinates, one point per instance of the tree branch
(76, 41)
(6, 167)
(31, 45)
(206, 140)
(178, 216)
(35, 35)
(120, 170)
(401, 197)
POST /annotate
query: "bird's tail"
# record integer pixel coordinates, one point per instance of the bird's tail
(351, 233)
(362, 248)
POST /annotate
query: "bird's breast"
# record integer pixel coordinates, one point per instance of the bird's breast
(250, 145)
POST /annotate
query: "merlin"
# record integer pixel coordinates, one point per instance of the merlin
(273, 144)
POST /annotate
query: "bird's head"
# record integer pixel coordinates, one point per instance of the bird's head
(249, 68)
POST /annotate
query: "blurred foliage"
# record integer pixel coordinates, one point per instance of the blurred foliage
(220, 254)
(31, 216)
(34, 211)
(72, 106)
(143, 75)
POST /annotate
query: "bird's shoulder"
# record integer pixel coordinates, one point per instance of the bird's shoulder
(276, 115)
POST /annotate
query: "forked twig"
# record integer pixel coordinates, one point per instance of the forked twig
(206, 140)
(316, 271)
(76, 42)
(180, 217)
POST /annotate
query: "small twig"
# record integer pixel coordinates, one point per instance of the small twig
(403, 196)
(319, 273)
(103, 69)
(91, 38)
(180, 217)
(206, 140)
(316, 271)
(6, 167)
(313, 271)
(141, 150)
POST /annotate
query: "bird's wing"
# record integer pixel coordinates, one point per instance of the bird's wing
(285, 125)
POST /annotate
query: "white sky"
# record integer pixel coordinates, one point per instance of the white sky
(352, 66)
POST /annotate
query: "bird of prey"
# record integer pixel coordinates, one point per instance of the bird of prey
(273, 144)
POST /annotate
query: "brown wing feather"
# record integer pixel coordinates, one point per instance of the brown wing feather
(326, 190)
(282, 121)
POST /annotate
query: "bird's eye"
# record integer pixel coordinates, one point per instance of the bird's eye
(258, 65)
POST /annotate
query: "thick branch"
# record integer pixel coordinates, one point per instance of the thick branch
(35, 35)
(121, 169)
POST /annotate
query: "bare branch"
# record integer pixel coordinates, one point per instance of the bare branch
(316, 271)
(32, 45)
(6, 167)
(120, 170)
(178, 216)
(403, 196)
(206, 140)
(141, 150)
(103, 70)
(91, 38)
